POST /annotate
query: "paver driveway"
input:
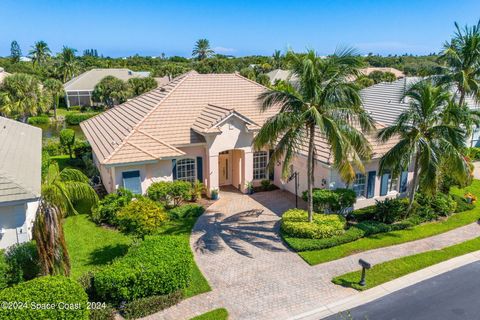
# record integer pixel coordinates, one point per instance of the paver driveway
(252, 274)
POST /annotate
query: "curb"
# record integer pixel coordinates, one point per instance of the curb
(389, 287)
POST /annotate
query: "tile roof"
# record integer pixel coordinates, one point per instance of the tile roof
(20, 161)
(89, 79)
(212, 115)
(168, 115)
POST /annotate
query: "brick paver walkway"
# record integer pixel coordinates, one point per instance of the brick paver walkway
(254, 276)
(476, 170)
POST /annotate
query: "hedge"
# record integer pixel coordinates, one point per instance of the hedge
(295, 223)
(158, 265)
(65, 296)
(355, 232)
(38, 120)
(3, 271)
(186, 211)
(75, 118)
(146, 306)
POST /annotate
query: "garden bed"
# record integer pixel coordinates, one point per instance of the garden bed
(385, 239)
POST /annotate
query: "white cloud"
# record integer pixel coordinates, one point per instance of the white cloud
(224, 50)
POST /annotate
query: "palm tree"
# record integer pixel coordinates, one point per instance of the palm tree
(60, 190)
(40, 52)
(424, 139)
(277, 59)
(54, 88)
(202, 49)
(22, 96)
(462, 55)
(325, 104)
(68, 63)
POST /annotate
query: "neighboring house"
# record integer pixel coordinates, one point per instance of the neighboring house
(385, 102)
(78, 91)
(3, 74)
(20, 180)
(396, 72)
(201, 127)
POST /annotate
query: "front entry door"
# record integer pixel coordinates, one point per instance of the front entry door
(224, 166)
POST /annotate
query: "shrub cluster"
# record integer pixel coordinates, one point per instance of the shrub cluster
(158, 265)
(474, 153)
(38, 120)
(295, 224)
(46, 290)
(327, 201)
(462, 204)
(146, 306)
(22, 261)
(170, 193)
(107, 208)
(390, 210)
(186, 211)
(74, 118)
(267, 185)
(140, 217)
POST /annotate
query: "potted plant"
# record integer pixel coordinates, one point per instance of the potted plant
(214, 194)
(249, 187)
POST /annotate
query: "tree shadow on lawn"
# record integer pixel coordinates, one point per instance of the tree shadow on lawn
(107, 254)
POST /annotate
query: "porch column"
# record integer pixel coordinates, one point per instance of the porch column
(247, 168)
(212, 172)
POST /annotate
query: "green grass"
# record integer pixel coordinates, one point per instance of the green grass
(91, 246)
(396, 237)
(217, 314)
(393, 269)
(64, 161)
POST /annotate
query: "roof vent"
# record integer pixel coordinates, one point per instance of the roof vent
(130, 73)
(162, 89)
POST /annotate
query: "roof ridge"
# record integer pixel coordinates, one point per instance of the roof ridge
(160, 141)
(12, 180)
(180, 81)
(216, 106)
(245, 78)
(141, 149)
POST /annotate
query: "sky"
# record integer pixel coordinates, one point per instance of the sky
(119, 28)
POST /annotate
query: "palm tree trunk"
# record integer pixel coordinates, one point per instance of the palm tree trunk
(414, 183)
(462, 96)
(57, 100)
(310, 171)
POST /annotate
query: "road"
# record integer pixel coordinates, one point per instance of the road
(449, 296)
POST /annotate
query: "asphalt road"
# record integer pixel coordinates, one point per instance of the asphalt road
(449, 296)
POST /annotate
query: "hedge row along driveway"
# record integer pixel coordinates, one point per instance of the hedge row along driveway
(397, 237)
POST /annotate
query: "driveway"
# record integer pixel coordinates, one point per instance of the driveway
(449, 296)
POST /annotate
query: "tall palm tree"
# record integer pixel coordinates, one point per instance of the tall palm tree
(202, 49)
(68, 63)
(22, 96)
(325, 104)
(462, 56)
(60, 190)
(277, 59)
(40, 52)
(54, 88)
(425, 139)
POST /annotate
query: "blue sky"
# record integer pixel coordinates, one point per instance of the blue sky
(121, 27)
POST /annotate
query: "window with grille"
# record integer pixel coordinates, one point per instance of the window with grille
(260, 161)
(359, 185)
(186, 170)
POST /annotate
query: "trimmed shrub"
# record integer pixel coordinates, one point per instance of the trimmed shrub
(68, 296)
(52, 146)
(353, 233)
(38, 120)
(74, 118)
(295, 223)
(390, 210)
(107, 208)
(462, 204)
(3, 271)
(363, 214)
(186, 211)
(67, 140)
(267, 185)
(140, 217)
(22, 260)
(170, 193)
(326, 201)
(158, 265)
(145, 306)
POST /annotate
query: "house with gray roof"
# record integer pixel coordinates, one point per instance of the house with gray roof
(20, 180)
(78, 91)
(385, 102)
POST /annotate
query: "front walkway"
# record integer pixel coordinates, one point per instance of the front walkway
(254, 276)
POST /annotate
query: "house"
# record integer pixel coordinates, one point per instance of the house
(78, 91)
(201, 127)
(20, 180)
(385, 102)
(398, 74)
(3, 75)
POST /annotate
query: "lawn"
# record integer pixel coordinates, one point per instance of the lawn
(91, 247)
(393, 269)
(217, 314)
(396, 237)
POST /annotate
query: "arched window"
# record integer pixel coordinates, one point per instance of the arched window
(186, 170)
